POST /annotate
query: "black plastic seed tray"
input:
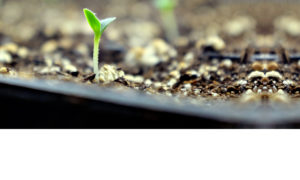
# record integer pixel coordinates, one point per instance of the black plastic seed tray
(53, 104)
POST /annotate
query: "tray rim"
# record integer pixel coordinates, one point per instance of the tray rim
(134, 98)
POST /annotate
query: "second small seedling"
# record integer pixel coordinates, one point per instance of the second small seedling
(98, 27)
(166, 8)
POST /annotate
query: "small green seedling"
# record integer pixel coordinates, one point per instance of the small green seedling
(98, 27)
(166, 8)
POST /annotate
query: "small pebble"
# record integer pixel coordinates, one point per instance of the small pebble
(23, 52)
(155, 52)
(289, 25)
(187, 86)
(271, 91)
(49, 70)
(272, 66)
(288, 82)
(161, 47)
(239, 25)
(249, 91)
(274, 74)
(257, 66)
(214, 94)
(175, 74)
(259, 91)
(255, 74)
(135, 79)
(69, 68)
(109, 73)
(189, 57)
(171, 82)
(65, 43)
(82, 49)
(5, 57)
(216, 42)
(157, 85)
(49, 46)
(148, 82)
(182, 65)
(192, 73)
(241, 82)
(227, 63)
(10, 47)
(4, 70)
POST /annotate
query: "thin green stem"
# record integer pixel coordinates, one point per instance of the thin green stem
(96, 55)
(170, 25)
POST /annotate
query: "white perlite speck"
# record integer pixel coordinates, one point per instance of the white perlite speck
(135, 79)
(227, 63)
(288, 82)
(5, 57)
(109, 73)
(241, 82)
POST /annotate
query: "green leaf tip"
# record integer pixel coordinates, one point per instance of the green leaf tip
(106, 22)
(97, 25)
(165, 5)
(93, 21)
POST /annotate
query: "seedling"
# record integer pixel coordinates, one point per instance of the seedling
(98, 26)
(166, 8)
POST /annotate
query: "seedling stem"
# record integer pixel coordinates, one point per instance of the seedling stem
(96, 55)
(166, 8)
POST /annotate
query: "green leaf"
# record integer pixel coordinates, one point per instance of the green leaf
(105, 23)
(93, 21)
(165, 5)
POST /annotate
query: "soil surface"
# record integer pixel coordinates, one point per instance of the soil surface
(236, 51)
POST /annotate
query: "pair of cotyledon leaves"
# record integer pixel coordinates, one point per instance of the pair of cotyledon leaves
(97, 25)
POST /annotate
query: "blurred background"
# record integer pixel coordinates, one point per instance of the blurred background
(139, 21)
